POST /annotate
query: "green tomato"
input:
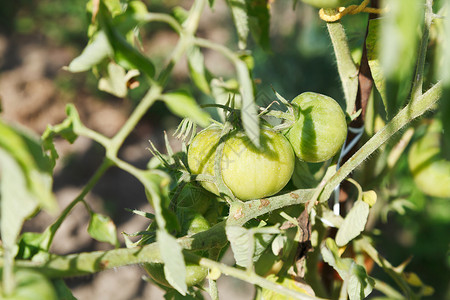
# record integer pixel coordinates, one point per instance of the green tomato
(31, 285)
(327, 3)
(192, 223)
(249, 172)
(320, 128)
(431, 172)
(194, 274)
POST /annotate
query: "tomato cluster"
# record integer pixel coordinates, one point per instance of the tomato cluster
(248, 171)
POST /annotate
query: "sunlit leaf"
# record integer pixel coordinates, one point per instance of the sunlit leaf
(35, 166)
(174, 265)
(353, 224)
(94, 53)
(242, 244)
(196, 65)
(359, 284)
(183, 105)
(249, 114)
(239, 12)
(102, 229)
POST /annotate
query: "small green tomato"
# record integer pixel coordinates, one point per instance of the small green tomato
(31, 285)
(320, 128)
(431, 172)
(192, 223)
(249, 172)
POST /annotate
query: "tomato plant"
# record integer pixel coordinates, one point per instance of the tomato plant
(249, 172)
(320, 128)
(296, 192)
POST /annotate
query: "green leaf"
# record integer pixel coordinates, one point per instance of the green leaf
(222, 91)
(373, 56)
(17, 204)
(36, 167)
(239, 12)
(95, 52)
(242, 244)
(116, 79)
(353, 224)
(62, 291)
(259, 22)
(124, 54)
(183, 105)
(249, 114)
(359, 284)
(102, 229)
(174, 265)
(64, 129)
(196, 65)
(400, 36)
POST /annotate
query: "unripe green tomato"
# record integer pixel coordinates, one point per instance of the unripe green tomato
(327, 3)
(320, 128)
(194, 274)
(31, 285)
(249, 172)
(430, 171)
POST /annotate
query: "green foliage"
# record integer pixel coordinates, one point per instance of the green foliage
(288, 227)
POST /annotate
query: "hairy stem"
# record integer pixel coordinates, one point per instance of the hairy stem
(407, 114)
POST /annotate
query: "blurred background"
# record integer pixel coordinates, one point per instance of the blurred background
(39, 38)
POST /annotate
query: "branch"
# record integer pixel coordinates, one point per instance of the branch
(406, 115)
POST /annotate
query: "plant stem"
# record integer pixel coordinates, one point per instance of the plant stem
(250, 277)
(407, 114)
(51, 230)
(348, 72)
(143, 106)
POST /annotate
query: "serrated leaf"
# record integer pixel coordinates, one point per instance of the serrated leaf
(196, 65)
(93, 54)
(102, 229)
(249, 114)
(183, 105)
(242, 244)
(353, 224)
(174, 265)
(240, 18)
